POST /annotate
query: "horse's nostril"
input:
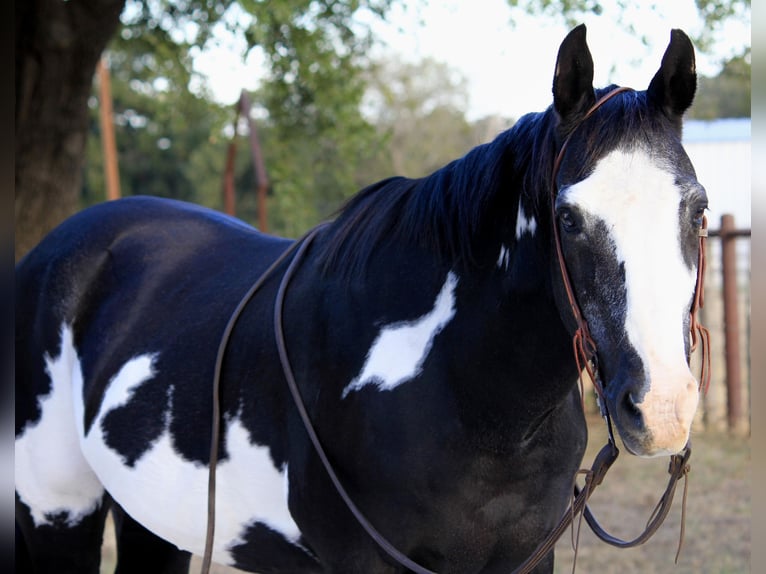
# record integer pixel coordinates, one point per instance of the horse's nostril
(630, 407)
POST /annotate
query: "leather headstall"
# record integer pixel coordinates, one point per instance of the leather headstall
(585, 352)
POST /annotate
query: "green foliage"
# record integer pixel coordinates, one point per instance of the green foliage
(167, 137)
(314, 135)
(312, 171)
(171, 27)
(325, 134)
(726, 95)
(714, 13)
(419, 111)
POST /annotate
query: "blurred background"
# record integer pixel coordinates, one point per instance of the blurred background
(277, 111)
(343, 92)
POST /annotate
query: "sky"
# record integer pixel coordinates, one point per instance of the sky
(508, 68)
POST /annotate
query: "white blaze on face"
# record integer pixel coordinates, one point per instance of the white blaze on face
(639, 203)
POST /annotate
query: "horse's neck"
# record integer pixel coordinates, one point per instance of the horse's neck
(522, 338)
(515, 343)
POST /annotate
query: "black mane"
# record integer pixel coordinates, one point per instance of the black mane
(472, 201)
(448, 212)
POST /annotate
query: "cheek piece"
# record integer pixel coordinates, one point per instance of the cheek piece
(699, 333)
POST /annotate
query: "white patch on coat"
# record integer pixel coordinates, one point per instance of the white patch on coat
(504, 260)
(59, 470)
(524, 224)
(400, 349)
(168, 494)
(51, 474)
(639, 203)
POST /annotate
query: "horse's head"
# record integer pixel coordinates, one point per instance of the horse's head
(629, 208)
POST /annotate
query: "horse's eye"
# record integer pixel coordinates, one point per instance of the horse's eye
(699, 213)
(569, 221)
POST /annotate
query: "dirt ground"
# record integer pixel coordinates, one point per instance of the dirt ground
(717, 539)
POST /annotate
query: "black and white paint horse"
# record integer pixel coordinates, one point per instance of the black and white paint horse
(428, 331)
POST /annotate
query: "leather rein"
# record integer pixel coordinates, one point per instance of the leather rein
(585, 354)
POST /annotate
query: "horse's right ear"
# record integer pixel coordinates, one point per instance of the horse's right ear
(673, 86)
(573, 91)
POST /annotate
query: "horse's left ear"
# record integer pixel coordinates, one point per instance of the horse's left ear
(673, 86)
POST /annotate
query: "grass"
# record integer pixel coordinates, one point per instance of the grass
(717, 539)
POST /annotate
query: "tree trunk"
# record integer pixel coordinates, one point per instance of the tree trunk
(58, 45)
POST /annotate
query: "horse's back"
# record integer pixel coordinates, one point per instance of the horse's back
(122, 242)
(128, 277)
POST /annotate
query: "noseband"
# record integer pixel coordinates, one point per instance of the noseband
(585, 355)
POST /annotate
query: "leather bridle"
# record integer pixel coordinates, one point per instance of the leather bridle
(585, 355)
(585, 352)
(584, 346)
(583, 343)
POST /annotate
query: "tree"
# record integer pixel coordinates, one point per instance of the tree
(726, 95)
(57, 47)
(419, 111)
(167, 136)
(59, 43)
(311, 46)
(309, 120)
(313, 133)
(714, 13)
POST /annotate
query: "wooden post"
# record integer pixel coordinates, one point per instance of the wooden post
(731, 321)
(261, 179)
(228, 178)
(111, 169)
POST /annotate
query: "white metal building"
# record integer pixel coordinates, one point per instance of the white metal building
(720, 152)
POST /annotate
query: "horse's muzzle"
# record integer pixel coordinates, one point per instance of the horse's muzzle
(654, 417)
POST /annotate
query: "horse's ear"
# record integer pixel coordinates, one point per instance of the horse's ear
(573, 80)
(673, 86)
